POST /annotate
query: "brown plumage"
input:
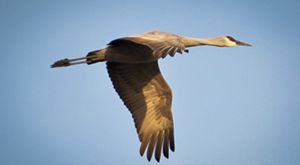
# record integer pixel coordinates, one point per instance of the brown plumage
(133, 69)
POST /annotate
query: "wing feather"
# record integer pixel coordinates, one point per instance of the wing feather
(148, 97)
(158, 146)
(166, 143)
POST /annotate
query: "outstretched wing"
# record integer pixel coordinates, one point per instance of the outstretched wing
(161, 43)
(148, 97)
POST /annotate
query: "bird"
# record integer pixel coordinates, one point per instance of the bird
(132, 65)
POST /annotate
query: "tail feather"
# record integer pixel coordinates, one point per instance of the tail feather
(95, 56)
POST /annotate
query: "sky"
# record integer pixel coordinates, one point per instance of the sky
(231, 106)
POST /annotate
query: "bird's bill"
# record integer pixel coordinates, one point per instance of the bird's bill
(240, 43)
(67, 62)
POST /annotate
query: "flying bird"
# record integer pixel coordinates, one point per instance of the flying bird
(132, 64)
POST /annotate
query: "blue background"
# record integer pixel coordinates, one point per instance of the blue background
(231, 106)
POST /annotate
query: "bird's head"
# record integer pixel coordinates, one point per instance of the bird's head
(229, 41)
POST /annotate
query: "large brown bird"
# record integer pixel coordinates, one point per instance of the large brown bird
(133, 69)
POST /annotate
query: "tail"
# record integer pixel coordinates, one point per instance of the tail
(91, 58)
(95, 56)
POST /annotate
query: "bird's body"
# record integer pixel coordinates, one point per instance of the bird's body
(133, 68)
(143, 48)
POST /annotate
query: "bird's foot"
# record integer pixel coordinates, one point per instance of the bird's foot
(61, 63)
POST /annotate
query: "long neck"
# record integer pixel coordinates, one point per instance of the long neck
(189, 41)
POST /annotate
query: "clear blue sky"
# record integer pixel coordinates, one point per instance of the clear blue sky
(231, 106)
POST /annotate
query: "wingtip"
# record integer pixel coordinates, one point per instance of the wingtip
(172, 146)
(149, 156)
(166, 153)
(157, 159)
(142, 152)
(173, 149)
